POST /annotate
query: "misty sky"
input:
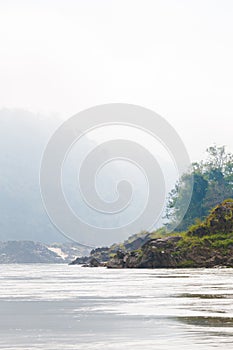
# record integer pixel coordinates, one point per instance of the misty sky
(173, 56)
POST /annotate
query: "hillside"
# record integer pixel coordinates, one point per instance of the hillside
(206, 244)
(22, 252)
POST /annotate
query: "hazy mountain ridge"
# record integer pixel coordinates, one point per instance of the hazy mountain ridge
(23, 252)
(23, 138)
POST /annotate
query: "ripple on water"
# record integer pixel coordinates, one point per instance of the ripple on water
(66, 307)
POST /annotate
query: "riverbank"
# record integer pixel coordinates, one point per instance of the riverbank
(207, 244)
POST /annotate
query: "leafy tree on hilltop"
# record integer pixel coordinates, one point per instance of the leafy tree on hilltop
(212, 183)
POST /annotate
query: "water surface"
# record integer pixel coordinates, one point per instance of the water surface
(54, 307)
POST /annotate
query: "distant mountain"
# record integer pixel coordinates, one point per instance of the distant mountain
(23, 138)
(23, 252)
(68, 250)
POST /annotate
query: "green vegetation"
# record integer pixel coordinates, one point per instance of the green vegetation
(206, 244)
(212, 184)
(186, 264)
(209, 219)
(205, 236)
(215, 232)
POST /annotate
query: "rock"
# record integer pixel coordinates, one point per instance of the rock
(87, 262)
(155, 253)
(80, 260)
(104, 254)
(208, 244)
(94, 263)
(138, 242)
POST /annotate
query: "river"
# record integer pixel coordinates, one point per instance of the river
(54, 307)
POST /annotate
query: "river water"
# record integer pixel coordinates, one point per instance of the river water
(53, 307)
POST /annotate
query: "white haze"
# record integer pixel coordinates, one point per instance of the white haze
(22, 213)
(58, 57)
(174, 57)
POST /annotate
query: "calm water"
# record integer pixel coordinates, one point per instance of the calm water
(54, 307)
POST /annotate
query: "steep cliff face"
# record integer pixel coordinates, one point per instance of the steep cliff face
(207, 244)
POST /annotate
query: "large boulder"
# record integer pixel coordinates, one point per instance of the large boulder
(158, 252)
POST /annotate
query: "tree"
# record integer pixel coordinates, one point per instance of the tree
(212, 183)
(218, 172)
(178, 200)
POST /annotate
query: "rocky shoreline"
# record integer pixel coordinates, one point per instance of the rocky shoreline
(208, 244)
